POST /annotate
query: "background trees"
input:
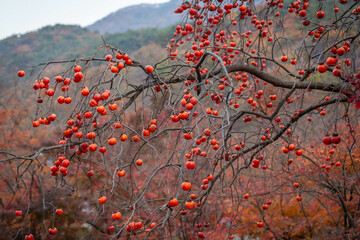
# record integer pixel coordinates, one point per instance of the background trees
(248, 127)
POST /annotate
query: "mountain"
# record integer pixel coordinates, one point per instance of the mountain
(46, 44)
(60, 42)
(137, 17)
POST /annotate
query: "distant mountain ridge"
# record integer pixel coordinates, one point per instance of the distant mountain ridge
(138, 16)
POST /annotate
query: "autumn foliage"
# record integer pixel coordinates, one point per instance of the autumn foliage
(249, 126)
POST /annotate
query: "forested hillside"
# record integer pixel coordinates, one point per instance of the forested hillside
(61, 42)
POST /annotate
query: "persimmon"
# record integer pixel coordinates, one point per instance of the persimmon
(21, 73)
(121, 173)
(320, 14)
(102, 149)
(63, 170)
(102, 200)
(335, 139)
(100, 109)
(88, 114)
(112, 141)
(77, 68)
(138, 225)
(175, 118)
(327, 140)
(173, 202)
(139, 162)
(36, 123)
(284, 58)
(125, 57)
(65, 163)
(106, 94)
(50, 92)
(59, 211)
(29, 237)
(146, 132)
(189, 106)
(52, 117)
(152, 128)
(331, 61)
(340, 51)
(112, 106)
(120, 65)
(136, 138)
(149, 69)
(186, 186)
(93, 147)
(114, 69)
(298, 152)
(131, 227)
(291, 147)
(52, 231)
(46, 80)
(322, 68)
(190, 164)
(190, 205)
(18, 213)
(303, 13)
(116, 216)
(78, 77)
(183, 115)
(108, 57)
(68, 100)
(123, 138)
(188, 136)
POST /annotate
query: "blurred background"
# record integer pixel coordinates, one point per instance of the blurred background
(42, 31)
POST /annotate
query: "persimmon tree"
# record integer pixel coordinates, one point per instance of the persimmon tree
(248, 127)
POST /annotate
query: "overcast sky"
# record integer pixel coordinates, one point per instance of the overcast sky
(21, 16)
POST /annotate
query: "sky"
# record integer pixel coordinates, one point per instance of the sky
(22, 16)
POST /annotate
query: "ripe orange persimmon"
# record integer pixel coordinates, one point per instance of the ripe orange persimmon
(139, 162)
(190, 205)
(102, 200)
(21, 73)
(112, 141)
(121, 173)
(123, 138)
(59, 211)
(116, 216)
(173, 202)
(149, 69)
(186, 186)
